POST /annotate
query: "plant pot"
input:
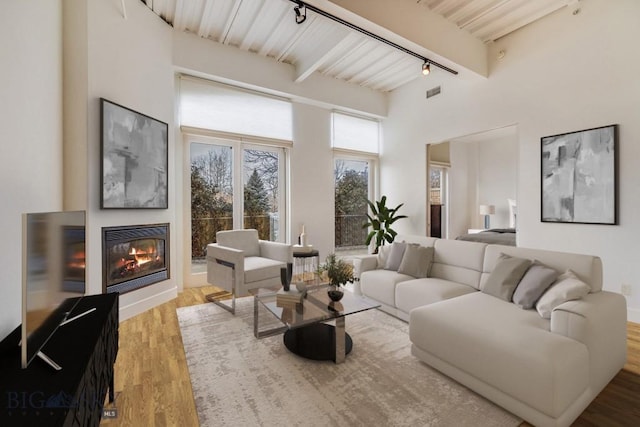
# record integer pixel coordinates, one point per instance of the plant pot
(335, 294)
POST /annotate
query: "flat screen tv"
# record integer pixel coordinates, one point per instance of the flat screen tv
(53, 276)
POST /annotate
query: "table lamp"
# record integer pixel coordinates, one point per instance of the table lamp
(487, 210)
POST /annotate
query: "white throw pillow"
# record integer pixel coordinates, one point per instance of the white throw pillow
(568, 287)
(383, 254)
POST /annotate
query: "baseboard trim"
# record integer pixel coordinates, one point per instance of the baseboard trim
(135, 308)
(633, 315)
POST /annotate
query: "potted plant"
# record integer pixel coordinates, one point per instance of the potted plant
(339, 272)
(380, 221)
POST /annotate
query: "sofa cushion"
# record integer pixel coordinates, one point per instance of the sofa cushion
(419, 292)
(381, 285)
(458, 261)
(568, 287)
(416, 261)
(506, 347)
(395, 256)
(533, 284)
(505, 277)
(258, 268)
(588, 268)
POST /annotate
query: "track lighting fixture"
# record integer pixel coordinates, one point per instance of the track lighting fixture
(301, 12)
(301, 7)
(426, 68)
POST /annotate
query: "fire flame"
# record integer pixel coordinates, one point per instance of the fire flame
(142, 256)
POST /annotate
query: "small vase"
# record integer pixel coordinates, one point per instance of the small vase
(285, 276)
(335, 293)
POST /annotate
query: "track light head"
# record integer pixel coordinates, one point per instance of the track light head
(426, 68)
(301, 12)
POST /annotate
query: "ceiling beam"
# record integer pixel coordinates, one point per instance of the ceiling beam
(412, 25)
(337, 41)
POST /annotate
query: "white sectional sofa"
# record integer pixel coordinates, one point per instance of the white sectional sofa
(546, 371)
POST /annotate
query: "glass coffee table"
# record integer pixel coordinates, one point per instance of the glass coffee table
(305, 327)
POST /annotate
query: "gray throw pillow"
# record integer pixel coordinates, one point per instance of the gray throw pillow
(416, 261)
(533, 284)
(505, 276)
(395, 256)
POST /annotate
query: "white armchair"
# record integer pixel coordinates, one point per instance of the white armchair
(239, 262)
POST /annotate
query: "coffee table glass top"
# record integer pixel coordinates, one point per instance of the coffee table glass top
(316, 307)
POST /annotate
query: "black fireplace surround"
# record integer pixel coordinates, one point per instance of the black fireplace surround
(134, 256)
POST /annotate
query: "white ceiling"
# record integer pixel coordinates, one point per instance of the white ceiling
(268, 28)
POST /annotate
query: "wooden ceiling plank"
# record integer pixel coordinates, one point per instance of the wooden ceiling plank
(443, 7)
(229, 22)
(206, 20)
(257, 26)
(381, 64)
(295, 40)
(500, 29)
(339, 64)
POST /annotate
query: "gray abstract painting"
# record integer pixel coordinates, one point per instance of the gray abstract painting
(579, 176)
(134, 159)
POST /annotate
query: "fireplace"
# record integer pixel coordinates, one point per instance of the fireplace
(134, 257)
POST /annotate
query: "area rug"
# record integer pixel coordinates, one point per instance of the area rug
(239, 380)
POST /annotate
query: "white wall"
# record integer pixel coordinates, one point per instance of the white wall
(130, 63)
(560, 74)
(312, 185)
(127, 61)
(462, 194)
(30, 133)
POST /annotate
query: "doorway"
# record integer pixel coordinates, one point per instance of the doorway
(438, 201)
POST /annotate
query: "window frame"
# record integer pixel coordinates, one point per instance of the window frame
(373, 184)
(238, 144)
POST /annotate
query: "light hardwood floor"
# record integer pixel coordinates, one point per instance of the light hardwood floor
(153, 387)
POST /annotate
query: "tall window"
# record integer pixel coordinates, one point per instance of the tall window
(262, 168)
(356, 143)
(352, 190)
(237, 143)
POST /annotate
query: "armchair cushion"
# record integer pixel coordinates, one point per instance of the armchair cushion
(244, 240)
(258, 268)
(282, 252)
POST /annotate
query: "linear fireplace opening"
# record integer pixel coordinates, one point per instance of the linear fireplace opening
(134, 256)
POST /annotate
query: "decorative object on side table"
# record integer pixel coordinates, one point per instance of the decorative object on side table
(339, 272)
(380, 221)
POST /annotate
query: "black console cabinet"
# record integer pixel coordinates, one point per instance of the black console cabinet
(86, 350)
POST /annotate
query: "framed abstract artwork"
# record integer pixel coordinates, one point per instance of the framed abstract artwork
(134, 159)
(579, 176)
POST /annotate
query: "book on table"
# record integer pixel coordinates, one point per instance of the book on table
(292, 296)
